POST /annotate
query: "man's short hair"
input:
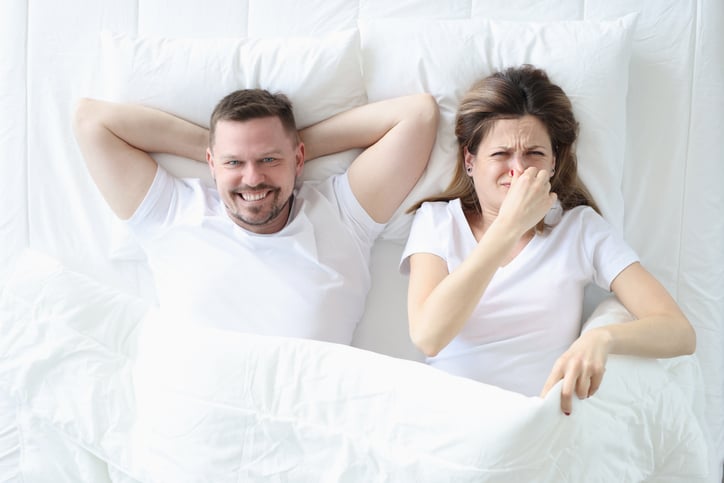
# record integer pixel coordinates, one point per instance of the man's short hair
(246, 104)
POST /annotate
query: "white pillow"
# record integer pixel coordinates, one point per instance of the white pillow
(187, 77)
(588, 59)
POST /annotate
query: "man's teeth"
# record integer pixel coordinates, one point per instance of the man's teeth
(253, 196)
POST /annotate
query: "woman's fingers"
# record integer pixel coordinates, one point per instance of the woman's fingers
(580, 379)
(581, 367)
(595, 383)
(529, 198)
(555, 376)
(569, 384)
(582, 386)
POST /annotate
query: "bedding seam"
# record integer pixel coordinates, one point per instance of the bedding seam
(695, 57)
(21, 442)
(27, 126)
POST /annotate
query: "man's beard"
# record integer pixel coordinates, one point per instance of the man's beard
(276, 210)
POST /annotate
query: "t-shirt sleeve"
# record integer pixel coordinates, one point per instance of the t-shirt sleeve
(353, 213)
(424, 235)
(607, 250)
(159, 207)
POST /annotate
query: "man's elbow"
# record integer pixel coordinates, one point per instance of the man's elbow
(425, 116)
(85, 115)
(689, 340)
(83, 109)
(428, 112)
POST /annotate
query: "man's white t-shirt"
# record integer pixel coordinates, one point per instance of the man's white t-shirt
(530, 312)
(308, 280)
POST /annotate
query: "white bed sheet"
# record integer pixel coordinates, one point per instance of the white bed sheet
(119, 393)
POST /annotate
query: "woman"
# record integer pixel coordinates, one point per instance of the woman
(499, 261)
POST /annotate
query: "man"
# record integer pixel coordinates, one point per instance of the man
(262, 252)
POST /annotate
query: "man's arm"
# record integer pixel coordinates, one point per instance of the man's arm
(115, 140)
(398, 135)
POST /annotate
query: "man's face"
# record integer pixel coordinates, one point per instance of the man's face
(255, 164)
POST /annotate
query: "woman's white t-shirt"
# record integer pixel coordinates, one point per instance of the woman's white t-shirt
(530, 312)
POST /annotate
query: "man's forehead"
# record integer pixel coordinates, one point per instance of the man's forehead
(254, 132)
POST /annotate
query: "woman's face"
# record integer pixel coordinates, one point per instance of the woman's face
(511, 145)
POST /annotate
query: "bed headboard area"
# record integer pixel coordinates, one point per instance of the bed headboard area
(646, 78)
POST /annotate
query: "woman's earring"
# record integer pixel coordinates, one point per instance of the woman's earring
(469, 169)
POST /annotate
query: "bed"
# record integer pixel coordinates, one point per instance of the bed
(96, 386)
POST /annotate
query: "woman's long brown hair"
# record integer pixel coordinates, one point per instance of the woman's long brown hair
(510, 94)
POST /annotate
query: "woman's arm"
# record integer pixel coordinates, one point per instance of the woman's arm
(660, 330)
(440, 303)
(397, 134)
(115, 140)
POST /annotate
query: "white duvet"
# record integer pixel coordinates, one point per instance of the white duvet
(98, 387)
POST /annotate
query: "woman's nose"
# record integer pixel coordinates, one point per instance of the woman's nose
(517, 163)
